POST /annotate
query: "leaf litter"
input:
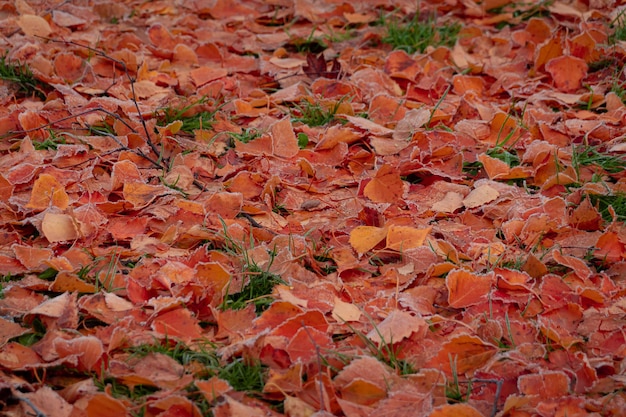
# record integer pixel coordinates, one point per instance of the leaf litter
(289, 217)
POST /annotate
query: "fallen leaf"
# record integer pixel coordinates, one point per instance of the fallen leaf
(547, 384)
(567, 72)
(343, 311)
(47, 192)
(365, 238)
(466, 288)
(480, 195)
(403, 238)
(396, 327)
(33, 25)
(58, 227)
(386, 186)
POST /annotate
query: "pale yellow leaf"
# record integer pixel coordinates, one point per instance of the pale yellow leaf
(57, 227)
(33, 25)
(480, 195)
(343, 311)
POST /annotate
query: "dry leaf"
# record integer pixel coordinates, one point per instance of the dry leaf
(33, 25)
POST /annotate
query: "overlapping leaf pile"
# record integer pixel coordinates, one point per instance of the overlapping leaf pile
(203, 194)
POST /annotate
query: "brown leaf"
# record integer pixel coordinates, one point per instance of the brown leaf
(318, 67)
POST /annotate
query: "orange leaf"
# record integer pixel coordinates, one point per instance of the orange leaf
(503, 130)
(69, 66)
(9, 330)
(363, 392)
(610, 248)
(467, 352)
(547, 384)
(400, 65)
(396, 327)
(580, 267)
(66, 281)
(284, 139)
(47, 191)
(124, 171)
(548, 50)
(30, 257)
(204, 75)
(178, 323)
(404, 237)
(305, 344)
(465, 83)
(122, 228)
(212, 274)
(103, 405)
(89, 350)
(213, 388)
(456, 410)
(6, 188)
(140, 194)
(386, 186)
(567, 72)
(15, 356)
(364, 238)
(466, 289)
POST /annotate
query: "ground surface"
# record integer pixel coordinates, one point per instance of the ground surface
(262, 208)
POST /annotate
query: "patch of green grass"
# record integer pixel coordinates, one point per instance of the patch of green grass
(119, 390)
(104, 128)
(601, 64)
(503, 149)
(453, 390)
(314, 114)
(244, 376)
(29, 339)
(617, 201)
(49, 274)
(22, 77)
(472, 169)
(585, 155)
(257, 291)
(303, 140)
(50, 143)
(247, 135)
(335, 36)
(101, 272)
(538, 10)
(191, 121)
(618, 83)
(415, 34)
(508, 156)
(204, 354)
(260, 282)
